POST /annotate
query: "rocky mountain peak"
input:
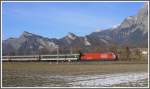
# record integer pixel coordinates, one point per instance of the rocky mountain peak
(143, 11)
(71, 36)
(129, 21)
(26, 34)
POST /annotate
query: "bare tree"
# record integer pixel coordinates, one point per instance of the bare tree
(128, 52)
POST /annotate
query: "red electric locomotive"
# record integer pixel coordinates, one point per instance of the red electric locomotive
(108, 56)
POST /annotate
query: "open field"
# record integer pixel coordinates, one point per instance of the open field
(29, 74)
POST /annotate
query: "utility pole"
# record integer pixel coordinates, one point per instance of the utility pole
(71, 50)
(57, 46)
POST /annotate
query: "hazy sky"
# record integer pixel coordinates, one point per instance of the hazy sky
(56, 19)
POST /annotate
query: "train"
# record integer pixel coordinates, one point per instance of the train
(86, 56)
(104, 56)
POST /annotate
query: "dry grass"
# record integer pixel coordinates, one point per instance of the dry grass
(74, 69)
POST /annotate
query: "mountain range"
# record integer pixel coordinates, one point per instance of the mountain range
(133, 32)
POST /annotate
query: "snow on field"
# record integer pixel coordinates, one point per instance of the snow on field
(95, 80)
(103, 80)
(108, 79)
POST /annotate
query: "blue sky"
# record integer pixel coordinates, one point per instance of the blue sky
(56, 19)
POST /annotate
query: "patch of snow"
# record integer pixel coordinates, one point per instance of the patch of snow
(71, 36)
(144, 32)
(87, 43)
(42, 42)
(130, 18)
(115, 26)
(102, 80)
(133, 30)
(104, 41)
(135, 18)
(27, 34)
(40, 47)
(108, 79)
(68, 40)
(98, 30)
(105, 37)
(51, 44)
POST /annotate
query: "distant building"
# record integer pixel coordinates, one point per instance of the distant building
(144, 52)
